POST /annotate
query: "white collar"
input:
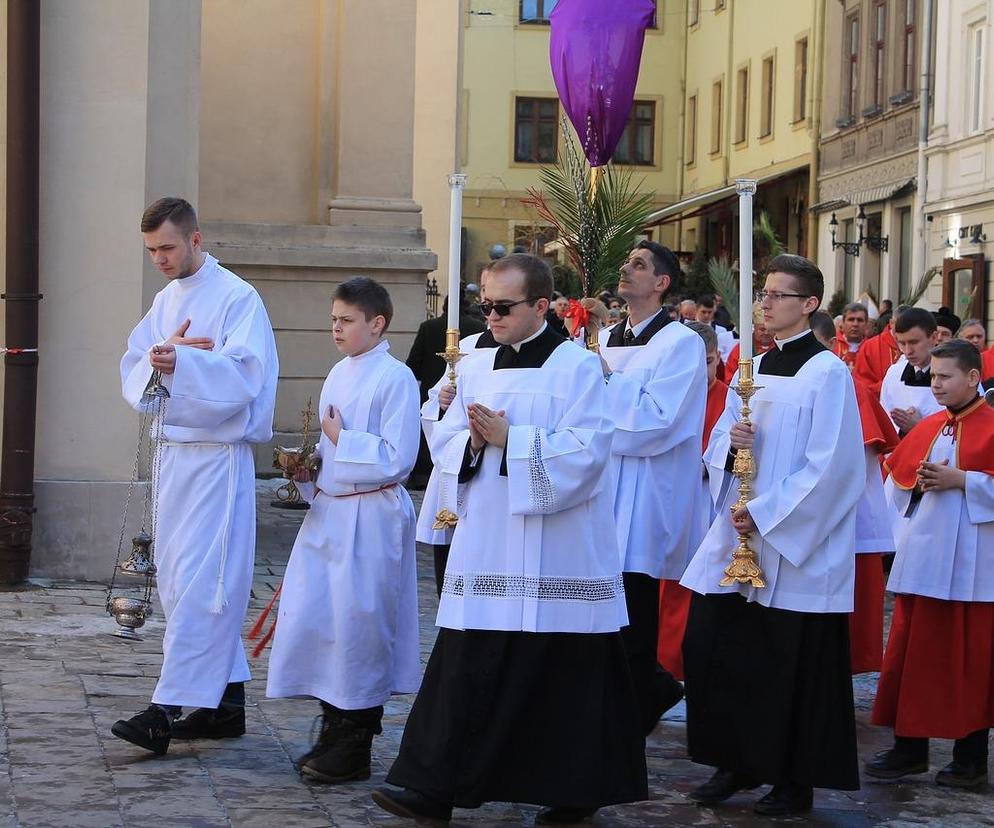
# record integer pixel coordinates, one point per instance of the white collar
(379, 348)
(536, 335)
(641, 326)
(199, 276)
(781, 342)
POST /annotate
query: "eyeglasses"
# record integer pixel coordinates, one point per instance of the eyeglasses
(776, 295)
(502, 309)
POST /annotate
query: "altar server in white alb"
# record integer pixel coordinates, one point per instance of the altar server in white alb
(936, 680)
(657, 390)
(347, 629)
(769, 693)
(906, 393)
(440, 397)
(527, 695)
(208, 333)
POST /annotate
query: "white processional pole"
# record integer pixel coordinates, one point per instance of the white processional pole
(744, 567)
(457, 181)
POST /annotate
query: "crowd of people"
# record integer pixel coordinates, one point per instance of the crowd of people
(582, 508)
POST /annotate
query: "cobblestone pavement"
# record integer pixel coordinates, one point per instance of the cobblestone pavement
(64, 680)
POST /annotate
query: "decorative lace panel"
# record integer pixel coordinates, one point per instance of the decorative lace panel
(500, 585)
(543, 496)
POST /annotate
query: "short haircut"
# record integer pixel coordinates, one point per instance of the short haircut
(823, 325)
(664, 261)
(965, 355)
(855, 307)
(177, 210)
(688, 302)
(368, 295)
(706, 333)
(806, 275)
(706, 300)
(538, 275)
(915, 318)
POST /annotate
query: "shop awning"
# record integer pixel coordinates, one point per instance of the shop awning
(870, 195)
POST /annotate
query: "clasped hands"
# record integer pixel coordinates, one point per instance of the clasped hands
(486, 427)
(938, 477)
(163, 356)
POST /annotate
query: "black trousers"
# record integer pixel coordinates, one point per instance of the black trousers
(441, 554)
(652, 683)
(970, 749)
(369, 718)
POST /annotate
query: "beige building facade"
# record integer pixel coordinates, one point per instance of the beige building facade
(868, 166)
(959, 204)
(749, 112)
(290, 124)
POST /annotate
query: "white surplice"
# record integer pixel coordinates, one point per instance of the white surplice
(534, 550)
(430, 415)
(221, 401)
(347, 629)
(945, 545)
(808, 440)
(895, 394)
(873, 512)
(656, 398)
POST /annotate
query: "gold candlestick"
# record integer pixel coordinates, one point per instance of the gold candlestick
(744, 567)
(445, 519)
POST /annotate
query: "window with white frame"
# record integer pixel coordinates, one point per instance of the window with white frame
(975, 52)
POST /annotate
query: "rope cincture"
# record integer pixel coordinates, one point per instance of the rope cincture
(16, 351)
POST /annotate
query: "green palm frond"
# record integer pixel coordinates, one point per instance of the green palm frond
(918, 291)
(726, 281)
(596, 230)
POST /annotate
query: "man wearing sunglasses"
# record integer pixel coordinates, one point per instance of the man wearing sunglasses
(527, 695)
(657, 390)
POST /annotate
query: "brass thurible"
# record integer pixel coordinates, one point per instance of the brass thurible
(446, 519)
(744, 567)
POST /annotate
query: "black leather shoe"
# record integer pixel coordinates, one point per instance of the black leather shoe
(563, 816)
(208, 723)
(722, 785)
(346, 759)
(962, 775)
(785, 800)
(895, 763)
(404, 802)
(667, 693)
(150, 729)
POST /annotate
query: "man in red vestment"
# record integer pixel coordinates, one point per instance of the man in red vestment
(876, 355)
(762, 341)
(936, 680)
(674, 600)
(855, 319)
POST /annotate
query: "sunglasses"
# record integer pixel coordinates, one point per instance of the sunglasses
(502, 309)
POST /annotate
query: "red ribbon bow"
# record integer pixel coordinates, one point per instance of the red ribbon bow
(576, 310)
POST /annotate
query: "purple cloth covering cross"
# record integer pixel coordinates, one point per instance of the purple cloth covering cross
(595, 48)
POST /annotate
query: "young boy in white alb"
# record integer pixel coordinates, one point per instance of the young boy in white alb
(347, 631)
(936, 680)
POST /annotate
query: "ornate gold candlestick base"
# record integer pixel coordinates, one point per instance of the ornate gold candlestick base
(446, 519)
(744, 568)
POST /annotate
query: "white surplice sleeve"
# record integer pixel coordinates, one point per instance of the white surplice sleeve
(136, 370)
(979, 497)
(363, 458)
(796, 514)
(209, 387)
(557, 466)
(716, 454)
(650, 419)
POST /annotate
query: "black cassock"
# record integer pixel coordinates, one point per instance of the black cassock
(769, 691)
(539, 718)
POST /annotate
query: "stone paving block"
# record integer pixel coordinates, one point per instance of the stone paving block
(301, 817)
(99, 685)
(43, 816)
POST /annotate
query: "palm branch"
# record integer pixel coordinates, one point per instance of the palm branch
(918, 291)
(726, 282)
(597, 227)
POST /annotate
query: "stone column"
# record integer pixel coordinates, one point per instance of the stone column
(372, 176)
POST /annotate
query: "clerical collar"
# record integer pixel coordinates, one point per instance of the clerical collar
(953, 413)
(780, 343)
(536, 335)
(790, 355)
(641, 326)
(199, 276)
(919, 377)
